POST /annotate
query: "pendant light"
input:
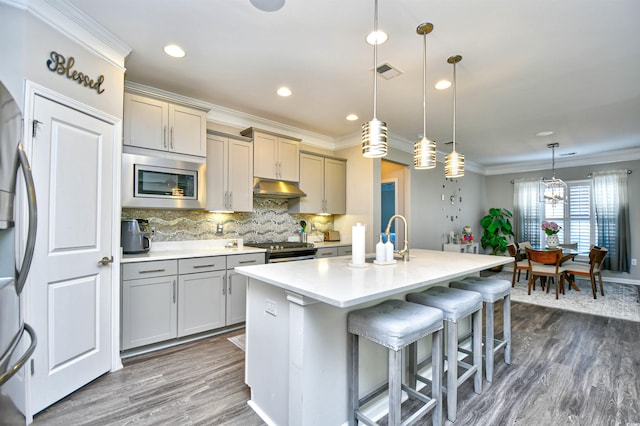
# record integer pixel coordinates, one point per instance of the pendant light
(454, 162)
(374, 132)
(554, 190)
(424, 150)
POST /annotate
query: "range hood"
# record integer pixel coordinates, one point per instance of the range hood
(264, 188)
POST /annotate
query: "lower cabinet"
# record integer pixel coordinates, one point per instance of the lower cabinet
(333, 251)
(168, 299)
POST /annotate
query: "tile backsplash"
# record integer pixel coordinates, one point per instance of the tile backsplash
(269, 221)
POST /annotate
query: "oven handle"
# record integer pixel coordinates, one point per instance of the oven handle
(293, 259)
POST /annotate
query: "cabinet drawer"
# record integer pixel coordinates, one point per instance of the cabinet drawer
(245, 260)
(344, 250)
(201, 264)
(327, 252)
(156, 268)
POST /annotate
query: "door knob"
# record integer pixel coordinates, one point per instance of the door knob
(106, 260)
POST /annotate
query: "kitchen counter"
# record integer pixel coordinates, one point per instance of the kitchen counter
(296, 360)
(185, 249)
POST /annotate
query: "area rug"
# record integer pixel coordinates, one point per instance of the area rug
(238, 340)
(619, 300)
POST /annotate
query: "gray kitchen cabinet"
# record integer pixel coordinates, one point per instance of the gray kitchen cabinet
(275, 156)
(229, 174)
(324, 180)
(344, 250)
(201, 294)
(160, 125)
(327, 252)
(149, 309)
(169, 299)
(236, 300)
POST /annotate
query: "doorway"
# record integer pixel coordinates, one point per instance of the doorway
(392, 197)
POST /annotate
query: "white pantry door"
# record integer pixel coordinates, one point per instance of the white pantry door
(70, 296)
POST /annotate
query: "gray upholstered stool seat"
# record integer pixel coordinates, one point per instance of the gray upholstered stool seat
(492, 290)
(395, 324)
(456, 304)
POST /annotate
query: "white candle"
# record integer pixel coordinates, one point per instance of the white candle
(358, 244)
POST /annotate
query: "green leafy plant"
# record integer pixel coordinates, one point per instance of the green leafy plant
(497, 230)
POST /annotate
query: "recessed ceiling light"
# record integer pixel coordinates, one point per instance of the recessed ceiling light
(174, 51)
(545, 133)
(377, 37)
(284, 92)
(268, 5)
(443, 84)
(352, 117)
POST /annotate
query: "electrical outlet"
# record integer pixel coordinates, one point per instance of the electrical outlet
(634, 262)
(271, 308)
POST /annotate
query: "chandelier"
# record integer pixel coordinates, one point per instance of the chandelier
(374, 132)
(424, 150)
(454, 162)
(553, 190)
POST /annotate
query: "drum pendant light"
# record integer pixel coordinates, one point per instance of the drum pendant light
(424, 150)
(374, 132)
(454, 162)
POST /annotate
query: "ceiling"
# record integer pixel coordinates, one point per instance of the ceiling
(568, 66)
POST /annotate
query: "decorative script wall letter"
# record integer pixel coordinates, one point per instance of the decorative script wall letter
(63, 66)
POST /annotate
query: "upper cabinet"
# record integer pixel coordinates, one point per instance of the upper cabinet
(157, 124)
(229, 174)
(275, 156)
(324, 180)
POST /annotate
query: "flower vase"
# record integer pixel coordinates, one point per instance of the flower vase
(552, 240)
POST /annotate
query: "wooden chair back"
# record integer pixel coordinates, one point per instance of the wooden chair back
(513, 251)
(596, 258)
(546, 257)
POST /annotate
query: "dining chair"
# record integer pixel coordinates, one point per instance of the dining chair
(519, 263)
(546, 264)
(592, 270)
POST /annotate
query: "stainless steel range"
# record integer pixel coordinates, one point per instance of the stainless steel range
(286, 251)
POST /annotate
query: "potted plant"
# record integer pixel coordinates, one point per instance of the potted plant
(497, 230)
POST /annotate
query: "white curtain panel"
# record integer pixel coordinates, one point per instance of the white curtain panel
(526, 210)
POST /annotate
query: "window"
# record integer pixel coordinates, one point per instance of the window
(576, 217)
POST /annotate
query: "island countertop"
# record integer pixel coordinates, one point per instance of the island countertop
(333, 281)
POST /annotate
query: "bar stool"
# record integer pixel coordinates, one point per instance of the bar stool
(395, 324)
(492, 290)
(456, 304)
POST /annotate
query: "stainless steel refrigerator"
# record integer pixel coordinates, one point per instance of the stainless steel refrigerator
(17, 339)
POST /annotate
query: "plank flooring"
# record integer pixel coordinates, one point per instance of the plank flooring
(567, 369)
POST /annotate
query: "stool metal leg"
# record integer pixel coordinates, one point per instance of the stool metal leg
(452, 369)
(477, 350)
(395, 387)
(413, 366)
(507, 328)
(353, 362)
(489, 342)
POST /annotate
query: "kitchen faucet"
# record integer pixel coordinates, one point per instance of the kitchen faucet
(405, 250)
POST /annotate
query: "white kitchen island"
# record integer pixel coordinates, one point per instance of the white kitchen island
(296, 359)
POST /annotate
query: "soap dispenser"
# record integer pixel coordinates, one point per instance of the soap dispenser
(388, 250)
(380, 253)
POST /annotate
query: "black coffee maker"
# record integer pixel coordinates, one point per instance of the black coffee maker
(134, 236)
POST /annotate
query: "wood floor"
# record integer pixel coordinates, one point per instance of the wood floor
(567, 369)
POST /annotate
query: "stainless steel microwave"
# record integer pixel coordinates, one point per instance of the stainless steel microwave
(162, 183)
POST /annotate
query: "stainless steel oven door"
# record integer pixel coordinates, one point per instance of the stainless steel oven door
(292, 259)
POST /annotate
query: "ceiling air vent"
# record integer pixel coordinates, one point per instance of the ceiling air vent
(388, 71)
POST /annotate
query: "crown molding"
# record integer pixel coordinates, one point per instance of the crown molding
(630, 154)
(77, 26)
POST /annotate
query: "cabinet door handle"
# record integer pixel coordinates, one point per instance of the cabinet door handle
(210, 265)
(230, 286)
(174, 291)
(244, 262)
(149, 271)
(164, 137)
(326, 254)
(171, 140)
(230, 207)
(224, 286)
